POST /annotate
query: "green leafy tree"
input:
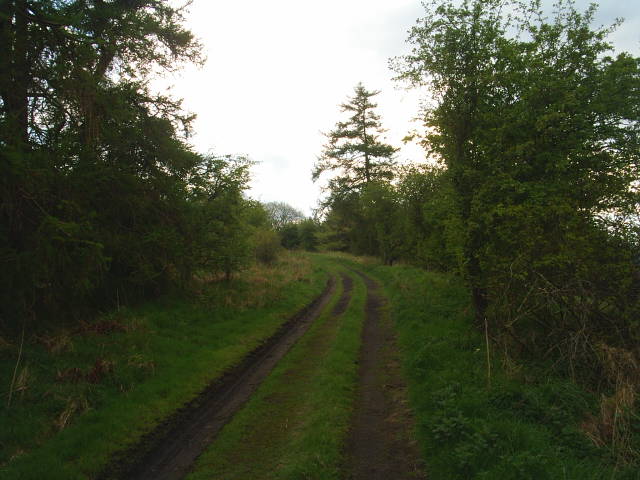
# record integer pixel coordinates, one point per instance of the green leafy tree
(62, 60)
(290, 236)
(382, 220)
(285, 220)
(308, 231)
(539, 134)
(220, 238)
(453, 52)
(431, 229)
(267, 246)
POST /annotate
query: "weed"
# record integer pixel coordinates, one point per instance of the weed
(22, 381)
(139, 361)
(58, 343)
(95, 374)
(614, 426)
(103, 327)
(101, 368)
(4, 344)
(71, 375)
(73, 406)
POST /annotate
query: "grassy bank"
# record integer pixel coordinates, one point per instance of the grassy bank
(526, 425)
(295, 425)
(81, 394)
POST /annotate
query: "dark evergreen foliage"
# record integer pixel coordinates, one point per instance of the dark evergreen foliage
(102, 199)
(354, 148)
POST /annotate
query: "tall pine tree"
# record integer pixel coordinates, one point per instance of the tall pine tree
(354, 147)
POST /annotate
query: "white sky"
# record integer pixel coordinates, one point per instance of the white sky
(277, 71)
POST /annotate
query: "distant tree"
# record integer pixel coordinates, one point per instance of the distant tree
(362, 164)
(290, 236)
(381, 221)
(282, 214)
(354, 148)
(308, 234)
(431, 229)
(340, 223)
(266, 246)
(221, 236)
(257, 216)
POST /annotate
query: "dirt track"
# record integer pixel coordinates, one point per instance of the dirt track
(169, 452)
(257, 446)
(381, 445)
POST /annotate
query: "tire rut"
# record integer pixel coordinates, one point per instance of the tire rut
(169, 452)
(283, 411)
(345, 298)
(381, 444)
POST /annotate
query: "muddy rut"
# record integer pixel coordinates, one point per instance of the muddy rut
(281, 412)
(170, 451)
(381, 445)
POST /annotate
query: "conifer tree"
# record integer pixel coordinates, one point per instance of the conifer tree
(354, 147)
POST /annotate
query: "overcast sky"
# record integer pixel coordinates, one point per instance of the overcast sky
(277, 71)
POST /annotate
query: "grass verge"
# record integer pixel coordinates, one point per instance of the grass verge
(86, 393)
(296, 423)
(525, 426)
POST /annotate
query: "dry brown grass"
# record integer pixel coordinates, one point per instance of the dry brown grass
(264, 283)
(261, 283)
(139, 361)
(105, 326)
(362, 260)
(74, 405)
(56, 343)
(96, 374)
(612, 426)
(23, 380)
(4, 344)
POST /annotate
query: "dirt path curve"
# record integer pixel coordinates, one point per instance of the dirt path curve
(343, 302)
(171, 450)
(381, 444)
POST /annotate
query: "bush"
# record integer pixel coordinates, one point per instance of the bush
(267, 246)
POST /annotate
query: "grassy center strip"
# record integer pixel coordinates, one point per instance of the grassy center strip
(295, 425)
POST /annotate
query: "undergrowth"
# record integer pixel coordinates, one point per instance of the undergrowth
(80, 394)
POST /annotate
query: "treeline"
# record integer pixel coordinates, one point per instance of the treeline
(531, 129)
(103, 201)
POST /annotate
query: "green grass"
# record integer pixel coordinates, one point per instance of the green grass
(84, 395)
(526, 426)
(295, 425)
(81, 396)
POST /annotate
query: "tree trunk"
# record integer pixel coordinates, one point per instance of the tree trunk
(14, 61)
(365, 142)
